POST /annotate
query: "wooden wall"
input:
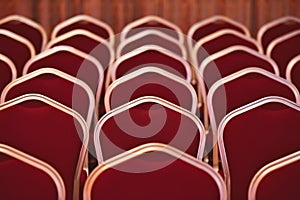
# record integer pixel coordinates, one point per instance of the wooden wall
(117, 13)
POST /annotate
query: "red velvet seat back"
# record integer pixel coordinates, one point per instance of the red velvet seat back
(144, 123)
(20, 180)
(152, 84)
(232, 62)
(286, 50)
(18, 52)
(294, 74)
(156, 175)
(47, 133)
(55, 87)
(34, 35)
(255, 138)
(6, 74)
(151, 57)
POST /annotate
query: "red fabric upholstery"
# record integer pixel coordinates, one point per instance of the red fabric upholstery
(220, 43)
(28, 32)
(233, 62)
(284, 51)
(55, 87)
(253, 86)
(71, 64)
(281, 184)
(168, 178)
(5, 74)
(86, 25)
(277, 31)
(46, 133)
(151, 57)
(90, 46)
(152, 39)
(22, 181)
(139, 125)
(16, 51)
(295, 75)
(256, 138)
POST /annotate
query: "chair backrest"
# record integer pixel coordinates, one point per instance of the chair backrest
(283, 49)
(254, 135)
(293, 70)
(148, 119)
(277, 180)
(88, 43)
(152, 22)
(73, 62)
(8, 71)
(17, 48)
(48, 131)
(148, 37)
(154, 171)
(254, 83)
(151, 55)
(87, 23)
(220, 40)
(25, 177)
(27, 28)
(56, 85)
(151, 81)
(276, 28)
(211, 25)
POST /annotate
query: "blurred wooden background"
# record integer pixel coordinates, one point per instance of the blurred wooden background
(117, 13)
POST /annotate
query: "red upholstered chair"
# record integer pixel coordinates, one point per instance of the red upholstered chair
(293, 70)
(8, 71)
(254, 135)
(27, 28)
(220, 40)
(17, 48)
(212, 25)
(154, 171)
(277, 180)
(57, 85)
(73, 62)
(144, 120)
(276, 28)
(25, 177)
(88, 43)
(283, 49)
(85, 22)
(148, 37)
(151, 81)
(152, 22)
(48, 131)
(151, 55)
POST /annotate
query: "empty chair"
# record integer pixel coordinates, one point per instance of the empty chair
(268, 181)
(151, 81)
(154, 171)
(220, 40)
(87, 23)
(25, 177)
(283, 49)
(144, 120)
(48, 131)
(212, 25)
(151, 55)
(17, 48)
(276, 28)
(27, 28)
(8, 71)
(73, 62)
(148, 37)
(57, 85)
(152, 22)
(254, 135)
(86, 42)
(292, 71)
